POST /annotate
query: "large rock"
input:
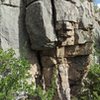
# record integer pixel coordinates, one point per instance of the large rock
(39, 26)
(69, 51)
(9, 27)
(65, 10)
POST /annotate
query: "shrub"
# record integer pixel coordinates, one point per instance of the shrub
(14, 79)
(12, 74)
(91, 88)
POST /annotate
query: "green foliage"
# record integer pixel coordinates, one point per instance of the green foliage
(12, 74)
(14, 78)
(91, 88)
(82, 1)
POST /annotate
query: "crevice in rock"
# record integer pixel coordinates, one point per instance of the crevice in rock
(10, 5)
(39, 59)
(55, 21)
(71, 1)
(40, 63)
(3, 37)
(54, 15)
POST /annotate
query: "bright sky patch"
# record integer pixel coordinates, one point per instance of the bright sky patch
(98, 5)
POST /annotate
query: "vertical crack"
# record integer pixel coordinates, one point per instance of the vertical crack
(41, 67)
(53, 14)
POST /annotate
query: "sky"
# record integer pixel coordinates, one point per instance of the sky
(98, 3)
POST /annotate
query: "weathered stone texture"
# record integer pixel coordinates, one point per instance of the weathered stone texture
(9, 27)
(39, 26)
(77, 70)
(51, 33)
(13, 3)
(66, 11)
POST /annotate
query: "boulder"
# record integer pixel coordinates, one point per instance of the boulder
(39, 26)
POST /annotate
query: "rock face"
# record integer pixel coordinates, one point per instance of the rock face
(39, 26)
(9, 27)
(51, 34)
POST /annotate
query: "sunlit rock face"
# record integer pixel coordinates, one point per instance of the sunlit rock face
(51, 34)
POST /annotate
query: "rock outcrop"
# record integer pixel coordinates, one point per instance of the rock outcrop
(51, 34)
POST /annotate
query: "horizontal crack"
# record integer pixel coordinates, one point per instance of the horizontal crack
(10, 5)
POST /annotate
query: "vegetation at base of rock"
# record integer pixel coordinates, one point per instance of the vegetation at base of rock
(91, 84)
(91, 87)
(40, 92)
(12, 74)
(13, 79)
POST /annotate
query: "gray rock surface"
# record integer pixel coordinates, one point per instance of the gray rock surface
(65, 10)
(9, 27)
(50, 34)
(13, 3)
(39, 26)
(83, 37)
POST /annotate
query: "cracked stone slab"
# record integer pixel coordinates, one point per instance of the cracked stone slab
(75, 50)
(71, 51)
(39, 26)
